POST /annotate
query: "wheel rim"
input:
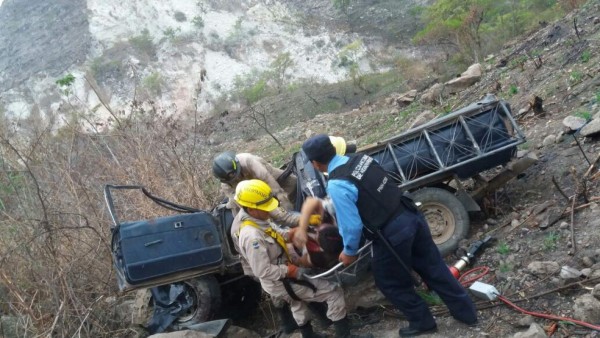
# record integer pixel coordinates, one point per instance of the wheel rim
(441, 221)
(190, 292)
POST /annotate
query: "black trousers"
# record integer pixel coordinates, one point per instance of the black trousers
(411, 239)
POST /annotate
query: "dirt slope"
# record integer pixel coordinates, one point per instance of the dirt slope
(560, 63)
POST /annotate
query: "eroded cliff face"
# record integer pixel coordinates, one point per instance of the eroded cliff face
(182, 54)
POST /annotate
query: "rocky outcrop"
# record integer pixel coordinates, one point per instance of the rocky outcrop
(465, 80)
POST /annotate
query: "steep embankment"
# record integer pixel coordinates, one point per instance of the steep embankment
(183, 55)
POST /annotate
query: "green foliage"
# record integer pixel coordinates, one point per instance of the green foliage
(198, 22)
(518, 62)
(430, 297)
(255, 92)
(10, 184)
(342, 5)
(597, 97)
(143, 43)
(584, 115)
(279, 67)
(505, 267)
(234, 39)
(575, 77)
(102, 69)
(153, 83)
(513, 90)
(65, 83)
(550, 241)
(347, 58)
(503, 248)
(524, 146)
(585, 56)
(479, 27)
(179, 16)
(170, 33)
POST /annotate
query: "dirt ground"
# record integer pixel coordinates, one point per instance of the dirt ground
(524, 215)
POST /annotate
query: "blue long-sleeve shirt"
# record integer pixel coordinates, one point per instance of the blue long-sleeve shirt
(344, 195)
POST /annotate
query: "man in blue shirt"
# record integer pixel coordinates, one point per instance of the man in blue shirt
(369, 203)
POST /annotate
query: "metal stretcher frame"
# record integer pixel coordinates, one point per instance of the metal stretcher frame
(443, 166)
(338, 272)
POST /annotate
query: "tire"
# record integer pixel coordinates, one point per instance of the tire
(205, 294)
(447, 218)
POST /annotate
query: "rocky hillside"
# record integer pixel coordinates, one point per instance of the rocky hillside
(185, 55)
(57, 277)
(545, 257)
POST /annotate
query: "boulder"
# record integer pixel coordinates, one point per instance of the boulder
(535, 331)
(543, 267)
(422, 118)
(591, 128)
(587, 308)
(466, 79)
(404, 99)
(432, 95)
(573, 122)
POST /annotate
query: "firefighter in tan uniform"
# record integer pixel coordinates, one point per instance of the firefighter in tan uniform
(264, 248)
(231, 168)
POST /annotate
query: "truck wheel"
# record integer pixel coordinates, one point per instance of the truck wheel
(447, 218)
(205, 294)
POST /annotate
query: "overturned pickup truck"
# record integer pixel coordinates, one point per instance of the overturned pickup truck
(189, 260)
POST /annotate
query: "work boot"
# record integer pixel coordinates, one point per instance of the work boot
(307, 332)
(342, 330)
(287, 323)
(320, 312)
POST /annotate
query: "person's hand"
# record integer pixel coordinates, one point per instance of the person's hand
(296, 272)
(298, 237)
(346, 260)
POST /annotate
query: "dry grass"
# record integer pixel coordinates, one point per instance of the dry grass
(55, 265)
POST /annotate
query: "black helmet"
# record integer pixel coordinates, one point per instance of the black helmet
(226, 166)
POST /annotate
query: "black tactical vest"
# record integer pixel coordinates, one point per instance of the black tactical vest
(379, 198)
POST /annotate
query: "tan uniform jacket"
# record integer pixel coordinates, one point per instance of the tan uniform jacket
(254, 167)
(268, 262)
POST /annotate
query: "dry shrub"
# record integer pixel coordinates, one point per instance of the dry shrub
(569, 5)
(55, 265)
(417, 72)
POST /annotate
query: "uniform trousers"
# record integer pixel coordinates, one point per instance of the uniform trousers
(409, 236)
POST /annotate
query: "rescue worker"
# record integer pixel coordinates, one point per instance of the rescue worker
(231, 168)
(264, 248)
(366, 200)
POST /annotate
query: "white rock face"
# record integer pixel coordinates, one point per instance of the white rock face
(235, 39)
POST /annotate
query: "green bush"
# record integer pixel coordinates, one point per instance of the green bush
(584, 115)
(550, 241)
(153, 83)
(585, 56)
(198, 22)
(102, 69)
(179, 16)
(503, 248)
(143, 43)
(170, 33)
(575, 77)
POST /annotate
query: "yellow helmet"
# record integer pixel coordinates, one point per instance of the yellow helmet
(339, 144)
(255, 194)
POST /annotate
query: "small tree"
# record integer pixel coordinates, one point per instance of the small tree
(279, 67)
